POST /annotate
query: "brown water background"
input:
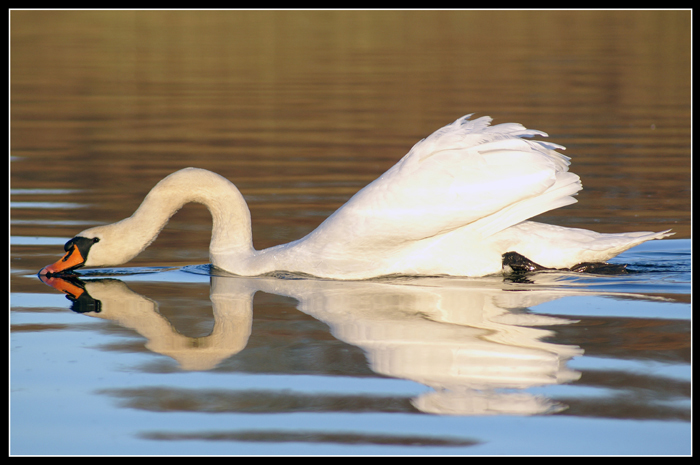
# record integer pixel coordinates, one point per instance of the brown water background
(300, 109)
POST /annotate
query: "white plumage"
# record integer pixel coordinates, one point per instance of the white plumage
(453, 205)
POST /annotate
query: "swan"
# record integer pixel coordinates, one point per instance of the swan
(459, 203)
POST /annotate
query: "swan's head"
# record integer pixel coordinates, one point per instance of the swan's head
(77, 253)
(100, 246)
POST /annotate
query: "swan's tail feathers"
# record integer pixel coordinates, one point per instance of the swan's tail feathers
(559, 195)
(615, 244)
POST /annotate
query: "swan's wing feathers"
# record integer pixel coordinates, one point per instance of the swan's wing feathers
(465, 133)
(465, 172)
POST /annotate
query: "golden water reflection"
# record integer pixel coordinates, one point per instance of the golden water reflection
(302, 109)
(472, 342)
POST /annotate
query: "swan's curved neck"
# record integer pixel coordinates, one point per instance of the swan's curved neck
(231, 223)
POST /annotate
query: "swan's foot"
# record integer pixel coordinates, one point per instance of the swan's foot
(516, 263)
(520, 264)
(599, 268)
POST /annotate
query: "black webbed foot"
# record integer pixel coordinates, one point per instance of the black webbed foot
(520, 264)
(599, 268)
(516, 263)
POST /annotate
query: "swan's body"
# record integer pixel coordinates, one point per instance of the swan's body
(453, 205)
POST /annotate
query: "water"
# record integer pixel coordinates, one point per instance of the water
(300, 110)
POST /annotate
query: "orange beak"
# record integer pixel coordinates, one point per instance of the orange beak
(72, 259)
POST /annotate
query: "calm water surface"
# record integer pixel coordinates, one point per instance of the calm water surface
(300, 110)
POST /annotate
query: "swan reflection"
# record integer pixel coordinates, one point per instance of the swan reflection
(471, 341)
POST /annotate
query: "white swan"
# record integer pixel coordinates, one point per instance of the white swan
(454, 205)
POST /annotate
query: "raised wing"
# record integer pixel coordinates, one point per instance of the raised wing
(467, 173)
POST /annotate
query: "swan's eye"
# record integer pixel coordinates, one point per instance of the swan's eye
(95, 239)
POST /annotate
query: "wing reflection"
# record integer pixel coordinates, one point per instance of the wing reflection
(469, 340)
